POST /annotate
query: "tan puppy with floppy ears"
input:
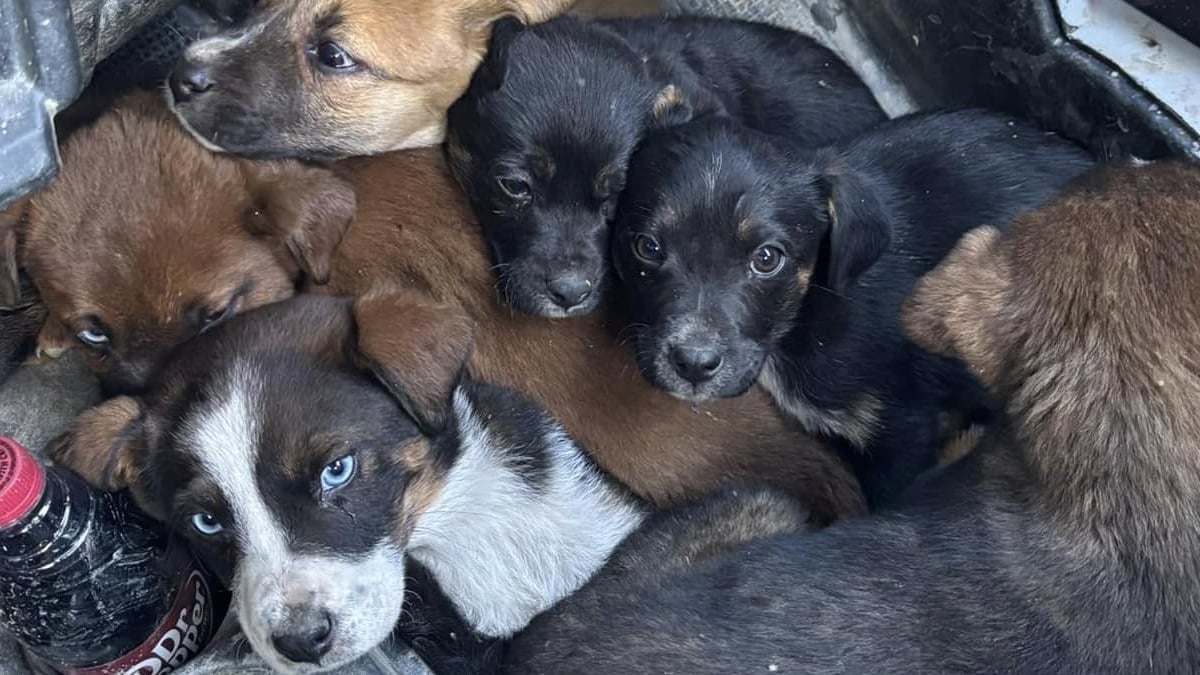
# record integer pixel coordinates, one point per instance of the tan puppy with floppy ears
(338, 78)
(148, 240)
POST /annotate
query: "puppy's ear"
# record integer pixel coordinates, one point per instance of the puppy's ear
(307, 208)
(103, 445)
(859, 225)
(491, 73)
(955, 310)
(673, 106)
(10, 278)
(417, 349)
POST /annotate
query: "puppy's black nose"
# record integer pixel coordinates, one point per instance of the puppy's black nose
(308, 636)
(695, 364)
(189, 80)
(570, 290)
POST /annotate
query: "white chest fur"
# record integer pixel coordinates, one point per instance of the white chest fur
(503, 550)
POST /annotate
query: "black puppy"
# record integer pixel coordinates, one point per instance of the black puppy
(746, 262)
(542, 139)
(1066, 543)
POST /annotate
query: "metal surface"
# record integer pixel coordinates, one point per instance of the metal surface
(1010, 55)
(48, 49)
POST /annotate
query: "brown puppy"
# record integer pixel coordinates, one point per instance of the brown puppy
(200, 228)
(1083, 318)
(112, 249)
(337, 78)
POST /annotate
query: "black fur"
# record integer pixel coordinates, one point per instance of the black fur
(19, 326)
(920, 591)
(333, 404)
(542, 139)
(856, 225)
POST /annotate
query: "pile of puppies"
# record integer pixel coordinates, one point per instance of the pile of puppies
(626, 368)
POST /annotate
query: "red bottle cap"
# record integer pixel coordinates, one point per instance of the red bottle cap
(21, 481)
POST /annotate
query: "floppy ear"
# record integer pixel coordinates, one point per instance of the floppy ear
(104, 443)
(673, 106)
(953, 310)
(859, 226)
(307, 208)
(491, 73)
(417, 349)
(10, 278)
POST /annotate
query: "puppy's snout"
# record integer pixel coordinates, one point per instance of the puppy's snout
(570, 290)
(696, 363)
(306, 635)
(189, 80)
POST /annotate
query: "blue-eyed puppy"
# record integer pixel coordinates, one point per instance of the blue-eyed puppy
(307, 447)
(748, 262)
(543, 137)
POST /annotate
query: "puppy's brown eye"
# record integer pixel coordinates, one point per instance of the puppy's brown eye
(648, 250)
(331, 55)
(515, 188)
(767, 261)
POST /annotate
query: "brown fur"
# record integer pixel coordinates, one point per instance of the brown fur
(416, 58)
(416, 348)
(413, 229)
(425, 352)
(95, 448)
(108, 236)
(1082, 317)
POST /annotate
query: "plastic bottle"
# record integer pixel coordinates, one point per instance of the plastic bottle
(89, 585)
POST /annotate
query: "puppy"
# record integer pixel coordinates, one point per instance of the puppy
(306, 448)
(745, 262)
(543, 137)
(336, 78)
(1066, 543)
(128, 274)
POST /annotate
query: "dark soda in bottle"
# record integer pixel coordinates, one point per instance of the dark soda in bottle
(89, 585)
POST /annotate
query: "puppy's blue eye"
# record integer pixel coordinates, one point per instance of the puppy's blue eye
(337, 473)
(207, 524)
(92, 337)
(332, 55)
(648, 249)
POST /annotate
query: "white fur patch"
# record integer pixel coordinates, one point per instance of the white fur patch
(211, 48)
(504, 551)
(363, 595)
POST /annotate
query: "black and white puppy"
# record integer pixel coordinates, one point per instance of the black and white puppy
(308, 447)
(746, 261)
(542, 139)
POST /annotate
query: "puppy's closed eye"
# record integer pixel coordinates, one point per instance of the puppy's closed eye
(516, 188)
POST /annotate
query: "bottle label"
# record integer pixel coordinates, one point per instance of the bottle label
(184, 631)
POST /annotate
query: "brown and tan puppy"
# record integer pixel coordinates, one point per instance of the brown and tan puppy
(338, 78)
(147, 239)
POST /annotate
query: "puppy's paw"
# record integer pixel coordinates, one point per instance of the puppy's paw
(99, 447)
